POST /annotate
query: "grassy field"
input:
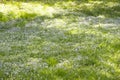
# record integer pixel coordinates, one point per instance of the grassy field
(60, 40)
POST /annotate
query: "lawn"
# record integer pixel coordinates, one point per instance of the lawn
(60, 40)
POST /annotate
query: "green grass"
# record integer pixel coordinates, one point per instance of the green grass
(60, 40)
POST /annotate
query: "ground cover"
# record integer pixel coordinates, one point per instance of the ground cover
(60, 40)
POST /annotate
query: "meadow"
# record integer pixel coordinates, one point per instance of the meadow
(60, 40)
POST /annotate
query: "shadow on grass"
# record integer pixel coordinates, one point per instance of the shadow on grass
(64, 49)
(101, 9)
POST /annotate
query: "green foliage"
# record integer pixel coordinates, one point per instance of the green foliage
(60, 40)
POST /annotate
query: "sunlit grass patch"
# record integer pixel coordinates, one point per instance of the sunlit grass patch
(16, 10)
